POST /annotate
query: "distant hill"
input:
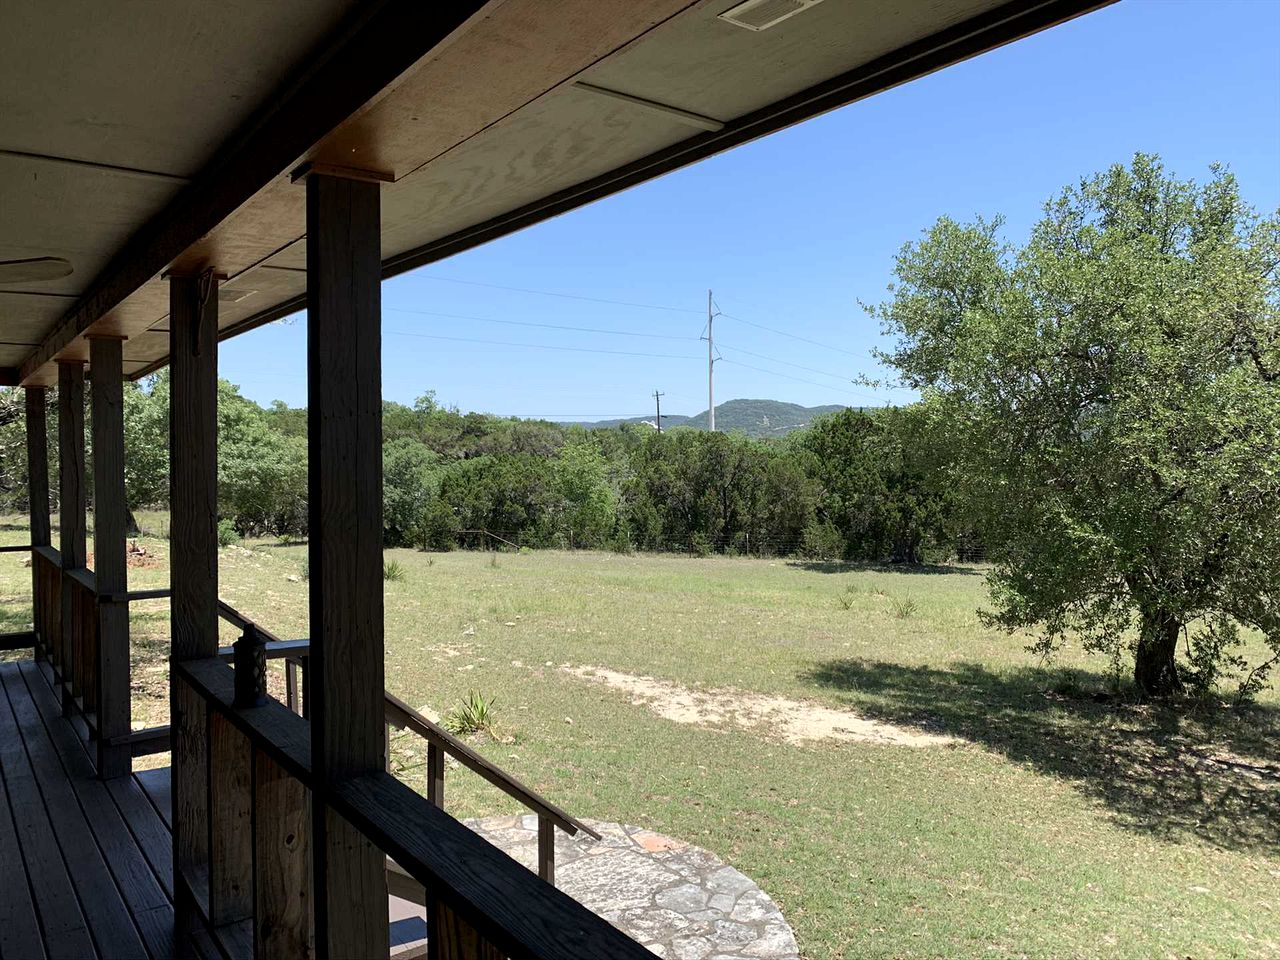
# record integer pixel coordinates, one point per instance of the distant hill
(755, 418)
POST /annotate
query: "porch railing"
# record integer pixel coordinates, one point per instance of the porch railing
(250, 873)
(440, 742)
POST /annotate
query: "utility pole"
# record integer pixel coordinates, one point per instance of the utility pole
(657, 398)
(711, 366)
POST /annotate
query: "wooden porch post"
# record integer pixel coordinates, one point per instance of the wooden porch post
(38, 500)
(344, 430)
(109, 525)
(71, 514)
(193, 506)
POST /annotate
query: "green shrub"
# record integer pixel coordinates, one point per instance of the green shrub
(439, 526)
(227, 533)
(700, 545)
(821, 541)
(392, 571)
(473, 715)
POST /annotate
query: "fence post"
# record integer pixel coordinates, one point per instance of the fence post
(71, 515)
(109, 555)
(38, 507)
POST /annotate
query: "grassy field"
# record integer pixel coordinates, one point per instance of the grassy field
(1053, 825)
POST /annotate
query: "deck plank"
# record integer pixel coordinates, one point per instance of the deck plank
(66, 934)
(150, 831)
(141, 891)
(110, 923)
(156, 784)
(19, 928)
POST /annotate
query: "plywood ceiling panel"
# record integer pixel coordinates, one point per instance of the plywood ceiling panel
(141, 84)
(148, 306)
(563, 139)
(706, 65)
(27, 316)
(12, 354)
(78, 213)
(259, 288)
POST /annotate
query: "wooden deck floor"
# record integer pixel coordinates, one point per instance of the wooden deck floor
(86, 866)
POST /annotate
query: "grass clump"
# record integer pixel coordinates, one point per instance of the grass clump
(903, 608)
(473, 715)
(392, 571)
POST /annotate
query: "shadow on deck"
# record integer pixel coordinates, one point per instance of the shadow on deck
(92, 859)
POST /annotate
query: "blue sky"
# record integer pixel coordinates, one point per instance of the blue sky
(792, 231)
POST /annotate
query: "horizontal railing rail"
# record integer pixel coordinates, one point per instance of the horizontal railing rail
(480, 901)
(440, 742)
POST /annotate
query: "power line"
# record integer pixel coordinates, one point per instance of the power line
(566, 416)
(540, 346)
(565, 296)
(533, 323)
(794, 336)
(799, 379)
(787, 363)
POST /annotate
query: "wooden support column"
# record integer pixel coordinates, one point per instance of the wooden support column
(110, 513)
(38, 505)
(193, 506)
(344, 429)
(71, 516)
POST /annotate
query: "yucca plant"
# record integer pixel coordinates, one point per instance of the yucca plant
(473, 715)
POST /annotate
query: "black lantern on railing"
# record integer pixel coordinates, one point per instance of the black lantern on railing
(249, 656)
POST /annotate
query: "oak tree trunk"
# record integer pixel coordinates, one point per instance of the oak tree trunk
(1154, 670)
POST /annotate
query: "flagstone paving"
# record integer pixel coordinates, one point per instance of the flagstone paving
(680, 901)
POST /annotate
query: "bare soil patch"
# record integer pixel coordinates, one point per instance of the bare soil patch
(794, 721)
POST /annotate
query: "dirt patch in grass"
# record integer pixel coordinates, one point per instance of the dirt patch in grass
(795, 721)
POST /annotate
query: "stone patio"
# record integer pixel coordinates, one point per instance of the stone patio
(680, 901)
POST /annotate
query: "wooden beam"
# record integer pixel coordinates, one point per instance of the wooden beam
(374, 46)
(281, 861)
(71, 515)
(193, 470)
(38, 508)
(344, 429)
(109, 560)
(193, 608)
(230, 823)
(17, 640)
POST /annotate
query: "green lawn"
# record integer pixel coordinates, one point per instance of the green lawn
(1056, 826)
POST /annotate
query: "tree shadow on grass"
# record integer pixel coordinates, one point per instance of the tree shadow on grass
(1213, 774)
(845, 566)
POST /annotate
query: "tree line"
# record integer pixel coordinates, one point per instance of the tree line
(855, 485)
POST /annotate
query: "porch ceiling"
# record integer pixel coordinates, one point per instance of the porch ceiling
(137, 138)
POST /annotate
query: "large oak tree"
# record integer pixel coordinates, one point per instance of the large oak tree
(1113, 387)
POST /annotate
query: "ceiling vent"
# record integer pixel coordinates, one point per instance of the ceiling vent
(762, 14)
